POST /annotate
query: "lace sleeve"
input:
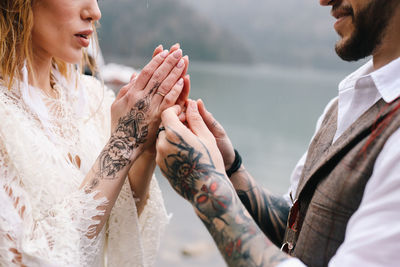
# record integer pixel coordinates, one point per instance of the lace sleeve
(134, 241)
(31, 236)
(152, 222)
(131, 241)
(10, 225)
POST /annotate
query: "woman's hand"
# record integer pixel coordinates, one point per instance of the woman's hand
(223, 142)
(135, 114)
(142, 169)
(186, 78)
(135, 117)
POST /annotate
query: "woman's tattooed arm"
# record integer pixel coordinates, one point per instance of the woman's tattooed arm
(192, 173)
(268, 210)
(111, 167)
(131, 131)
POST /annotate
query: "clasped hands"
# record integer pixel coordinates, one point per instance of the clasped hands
(136, 111)
(194, 151)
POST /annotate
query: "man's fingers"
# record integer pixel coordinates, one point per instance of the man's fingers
(170, 120)
(207, 116)
(195, 121)
(212, 124)
(169, 117)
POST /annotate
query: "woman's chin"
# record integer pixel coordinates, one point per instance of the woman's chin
(73, 58)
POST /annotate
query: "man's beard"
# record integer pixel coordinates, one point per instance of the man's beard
(370, 26)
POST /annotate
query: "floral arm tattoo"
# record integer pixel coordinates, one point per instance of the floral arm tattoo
(269, 211)
(193, 175)
(131, 131)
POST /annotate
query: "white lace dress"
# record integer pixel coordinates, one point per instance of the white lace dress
(45, 153)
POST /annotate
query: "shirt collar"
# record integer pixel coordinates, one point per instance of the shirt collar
(350, 81)
(386, 79)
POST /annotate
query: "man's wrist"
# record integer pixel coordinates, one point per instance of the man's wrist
(237, 163)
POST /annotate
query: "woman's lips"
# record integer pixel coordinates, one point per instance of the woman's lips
(83, 37)
(82, 40)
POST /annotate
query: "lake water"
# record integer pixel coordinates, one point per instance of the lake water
(270, 115)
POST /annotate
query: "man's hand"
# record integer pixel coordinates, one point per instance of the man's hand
(190, 159)
(223, 142)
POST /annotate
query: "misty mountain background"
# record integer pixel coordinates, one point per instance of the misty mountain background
(297, 33)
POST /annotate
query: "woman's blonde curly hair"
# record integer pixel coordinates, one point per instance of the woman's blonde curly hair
(16, 23)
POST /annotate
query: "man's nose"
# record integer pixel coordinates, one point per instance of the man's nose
(326, 2)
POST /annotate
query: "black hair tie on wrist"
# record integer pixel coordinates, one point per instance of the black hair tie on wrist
(235, 165)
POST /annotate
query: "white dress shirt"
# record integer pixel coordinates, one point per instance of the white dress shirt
(373, 232)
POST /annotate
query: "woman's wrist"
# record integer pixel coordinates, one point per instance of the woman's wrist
(140, 174)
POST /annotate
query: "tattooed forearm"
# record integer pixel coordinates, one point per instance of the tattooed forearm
(269, 211)
(241, 242)
(131, 131)
(193, 175)
(184, 169)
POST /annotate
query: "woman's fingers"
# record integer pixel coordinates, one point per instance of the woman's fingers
(148, 71)
(186, 59)
(127, 87)
(185, 92)
(169, 82)
(158, 50)
(174, 47)
(132, 77)
(172, 96)
(122, 92)
(163, 71)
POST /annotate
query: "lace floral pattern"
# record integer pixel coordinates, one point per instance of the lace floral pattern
(45, 218)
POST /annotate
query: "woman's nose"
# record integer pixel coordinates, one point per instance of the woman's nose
(92, 11)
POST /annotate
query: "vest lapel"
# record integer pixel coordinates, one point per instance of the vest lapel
(329, 152)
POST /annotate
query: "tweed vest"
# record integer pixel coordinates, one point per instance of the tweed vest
(333, 181)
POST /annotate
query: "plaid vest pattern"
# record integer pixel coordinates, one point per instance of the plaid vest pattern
(333, 182)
